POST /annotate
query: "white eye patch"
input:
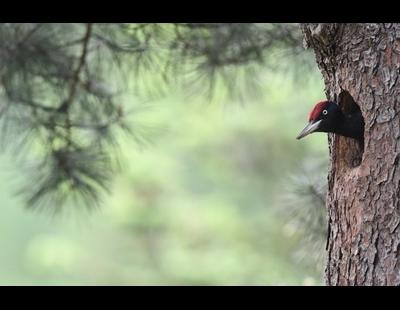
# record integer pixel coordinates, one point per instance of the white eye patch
(325, 112)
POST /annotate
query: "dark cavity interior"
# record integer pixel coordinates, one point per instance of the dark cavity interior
(354, 150)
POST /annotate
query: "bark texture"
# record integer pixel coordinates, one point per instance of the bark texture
(361, 62)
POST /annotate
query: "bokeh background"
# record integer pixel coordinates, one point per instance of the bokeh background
(210, 197)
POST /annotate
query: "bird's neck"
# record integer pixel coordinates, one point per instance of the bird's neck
(349, 125)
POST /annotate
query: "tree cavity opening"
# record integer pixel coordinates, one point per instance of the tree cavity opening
(351, 150)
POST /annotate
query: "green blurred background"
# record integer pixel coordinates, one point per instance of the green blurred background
(200, 204)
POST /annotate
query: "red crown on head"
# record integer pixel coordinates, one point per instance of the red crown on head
(316, 111)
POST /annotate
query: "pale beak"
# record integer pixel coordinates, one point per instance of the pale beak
(310, 128)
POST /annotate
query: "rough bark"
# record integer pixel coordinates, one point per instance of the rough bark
(361, 62)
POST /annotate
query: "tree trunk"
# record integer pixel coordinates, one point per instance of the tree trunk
(361, 62)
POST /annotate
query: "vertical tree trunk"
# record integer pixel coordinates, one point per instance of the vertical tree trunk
(361, 62)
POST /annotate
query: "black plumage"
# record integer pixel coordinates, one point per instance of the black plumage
(327, 116)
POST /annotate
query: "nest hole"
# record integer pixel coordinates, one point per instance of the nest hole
(351, 150)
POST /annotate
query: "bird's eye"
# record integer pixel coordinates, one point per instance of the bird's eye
(325, 112)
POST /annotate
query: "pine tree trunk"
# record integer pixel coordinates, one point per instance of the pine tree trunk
(361, 62)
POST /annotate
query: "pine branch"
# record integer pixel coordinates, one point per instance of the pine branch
(75, 78)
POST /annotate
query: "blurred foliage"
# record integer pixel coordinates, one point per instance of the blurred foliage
(204, 202)
(304, 209)
(66, 90)
(216, 193)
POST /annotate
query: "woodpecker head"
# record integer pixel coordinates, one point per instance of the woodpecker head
(322, 118)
